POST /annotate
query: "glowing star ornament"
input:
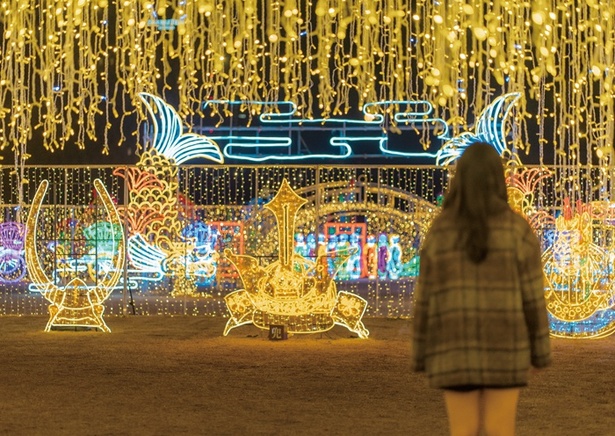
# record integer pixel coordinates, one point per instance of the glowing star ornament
(76, 304)
(292, 291)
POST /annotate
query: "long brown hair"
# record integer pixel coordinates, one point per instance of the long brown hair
(477, 191)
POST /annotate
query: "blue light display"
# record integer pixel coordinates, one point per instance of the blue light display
(490, 128)
(260, 144)
(245, 147)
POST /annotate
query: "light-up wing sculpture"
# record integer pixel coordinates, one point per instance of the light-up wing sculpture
(490, 128)
(76, 304)
(146, 259)
(292, 291)
(169, 139)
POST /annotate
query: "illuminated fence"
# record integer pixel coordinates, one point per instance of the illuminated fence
(178, 222)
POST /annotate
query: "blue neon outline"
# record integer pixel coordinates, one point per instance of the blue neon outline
(283, 118)
(251, 142)
(182, 147)
(489, 128)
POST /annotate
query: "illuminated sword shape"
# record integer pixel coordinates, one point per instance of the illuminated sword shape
(284, 207)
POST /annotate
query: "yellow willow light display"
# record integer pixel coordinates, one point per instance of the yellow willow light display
(68, 68)
(76, 304)
(292, 291)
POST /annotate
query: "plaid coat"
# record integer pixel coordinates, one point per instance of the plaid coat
(480, 324)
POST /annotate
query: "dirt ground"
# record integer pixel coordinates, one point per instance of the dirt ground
(156, 375)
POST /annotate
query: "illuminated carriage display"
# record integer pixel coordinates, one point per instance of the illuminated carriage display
(578, 255)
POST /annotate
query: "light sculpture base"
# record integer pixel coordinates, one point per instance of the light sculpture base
(73, 307)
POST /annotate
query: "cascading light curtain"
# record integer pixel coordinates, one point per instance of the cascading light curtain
(574, 75)
(70, 68)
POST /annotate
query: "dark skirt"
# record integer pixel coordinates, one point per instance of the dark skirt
(470, 388)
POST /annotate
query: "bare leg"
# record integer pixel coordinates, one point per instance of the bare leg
(463, 409)
(500, 411)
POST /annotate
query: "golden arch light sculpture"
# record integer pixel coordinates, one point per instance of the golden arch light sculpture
(76, 304)
(293, 291)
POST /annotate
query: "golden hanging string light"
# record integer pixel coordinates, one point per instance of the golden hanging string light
(70, 66)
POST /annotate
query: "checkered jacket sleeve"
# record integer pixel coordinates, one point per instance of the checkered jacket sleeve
(532, 283)
(420, 313)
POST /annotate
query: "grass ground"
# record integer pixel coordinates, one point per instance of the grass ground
(157, 375)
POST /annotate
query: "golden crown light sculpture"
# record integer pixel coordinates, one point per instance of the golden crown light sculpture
(77, 304)
(293, 291)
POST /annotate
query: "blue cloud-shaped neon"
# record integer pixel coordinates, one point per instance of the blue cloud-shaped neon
(490, 128)
(272, 143)
(372, 118)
